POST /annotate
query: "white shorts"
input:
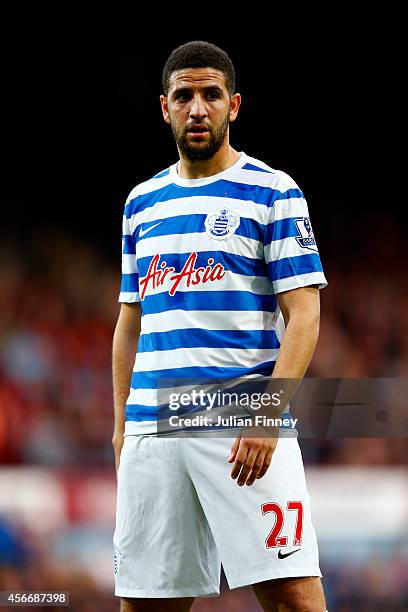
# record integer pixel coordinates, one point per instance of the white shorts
(180, 515)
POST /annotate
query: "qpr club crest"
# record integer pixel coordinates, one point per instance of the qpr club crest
(222, 224)
(305, 235)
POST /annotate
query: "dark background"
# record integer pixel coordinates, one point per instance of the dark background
(82, 122)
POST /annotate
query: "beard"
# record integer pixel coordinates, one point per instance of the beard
(196, 151)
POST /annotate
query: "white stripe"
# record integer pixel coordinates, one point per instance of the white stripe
(199, 242)
(291, 207)
(129, 264)
(207, 319)
(145, 397)
(129, 297)
(300, 280)
(139, 428)
(125, 229)
(260, 285)
(280, 181)
(203, 356)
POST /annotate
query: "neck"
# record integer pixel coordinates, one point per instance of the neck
(225, 157)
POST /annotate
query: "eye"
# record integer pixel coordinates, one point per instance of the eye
(212, 95)
(182, 96)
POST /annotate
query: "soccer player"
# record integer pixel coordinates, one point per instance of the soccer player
(221, 278)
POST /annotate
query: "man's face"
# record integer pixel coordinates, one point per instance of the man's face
(199, 110)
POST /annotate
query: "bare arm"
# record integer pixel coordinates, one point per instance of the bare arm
(124, 348)
(301, 311)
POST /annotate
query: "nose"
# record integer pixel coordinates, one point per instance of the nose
(197, 109)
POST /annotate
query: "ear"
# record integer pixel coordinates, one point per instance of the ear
(165, 109)
(235, 103)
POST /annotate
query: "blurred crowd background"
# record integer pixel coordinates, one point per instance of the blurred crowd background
(58, 310)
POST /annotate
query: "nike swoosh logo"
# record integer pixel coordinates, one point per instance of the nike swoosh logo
(284, 555)
(143, 232)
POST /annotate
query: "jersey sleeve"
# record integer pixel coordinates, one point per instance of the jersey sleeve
(129, 289)
(290, 248)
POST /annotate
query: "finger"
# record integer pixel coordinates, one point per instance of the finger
(247, 466)
(257, 467)
(266, 463)
(239, 461)
(234, 449)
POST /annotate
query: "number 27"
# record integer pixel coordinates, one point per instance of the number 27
(274, 539)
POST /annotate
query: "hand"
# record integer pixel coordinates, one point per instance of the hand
(117, 443)
(252, 457)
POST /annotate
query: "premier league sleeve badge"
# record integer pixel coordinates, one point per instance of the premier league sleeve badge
(305, 237)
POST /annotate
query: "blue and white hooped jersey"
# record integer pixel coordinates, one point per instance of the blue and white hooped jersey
(205, 258)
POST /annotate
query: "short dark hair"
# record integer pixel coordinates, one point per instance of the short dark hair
(199, 54)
